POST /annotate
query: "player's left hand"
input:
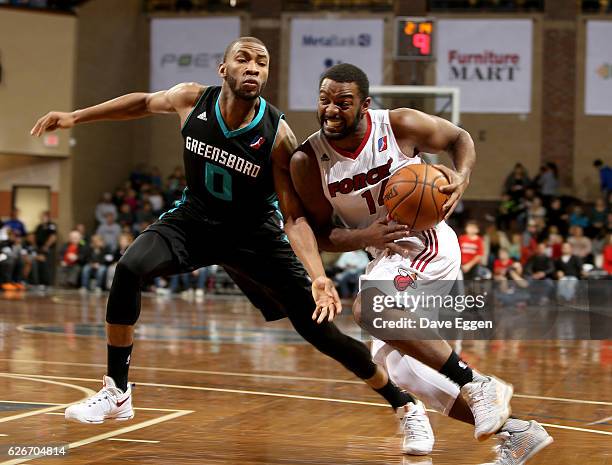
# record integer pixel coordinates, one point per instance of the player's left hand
(458, 183)
(326, 298)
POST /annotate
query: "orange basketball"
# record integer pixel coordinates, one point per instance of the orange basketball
(413, 198)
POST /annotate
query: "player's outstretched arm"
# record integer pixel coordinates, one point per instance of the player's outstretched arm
(301, 236)
(179, 99)
(433, 135)
(307, 181)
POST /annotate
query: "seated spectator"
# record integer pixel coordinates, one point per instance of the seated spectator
(156, 178)
(71, 259)
(15, 223)
(607, 255)
(539, 270)
(80, 227)
(110, 231)
(144, 217)
(118, 197)
(502, 263)
(199, 278)
(556, 216)
(529, 242)
(578, 218)
(157, 201)
(131, 199)
(126, 217)
(511, 287)
(568, 270)
(46, 239)
(351, 265)
(516, 182)
(472, 253)
(515, 247)
(536, 212)
(11, 261)
(96, 258)
(507, 212)
(494, 240)
(125, 239)
(581, 245)
(104, 207)
(554, 241)
(598, 218)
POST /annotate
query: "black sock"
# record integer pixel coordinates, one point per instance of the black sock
(457, 370)
(396, 397)
(118, 364)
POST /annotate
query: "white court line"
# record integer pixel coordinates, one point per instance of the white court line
(88, 393)
(55, 403)
(294, 396)
(573, 428)
(283, 377)
(598, 422)
(202, 372)
(4, 435)
(148, 441)
(110, 434)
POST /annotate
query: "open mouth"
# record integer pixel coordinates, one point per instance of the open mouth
(333, 124)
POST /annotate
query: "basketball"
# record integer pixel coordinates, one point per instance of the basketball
(413, 198)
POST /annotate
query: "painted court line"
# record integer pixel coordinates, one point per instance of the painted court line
(282, 377)
(38, 379)
(148, 441)
(201, 372)
(294, 396)
(110, 434)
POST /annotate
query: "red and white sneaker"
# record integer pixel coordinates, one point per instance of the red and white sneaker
(414, 425)
(110, 403)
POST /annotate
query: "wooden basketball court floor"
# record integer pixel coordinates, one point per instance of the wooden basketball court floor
(216, 385)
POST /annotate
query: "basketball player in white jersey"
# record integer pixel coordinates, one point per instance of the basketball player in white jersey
(340, 174)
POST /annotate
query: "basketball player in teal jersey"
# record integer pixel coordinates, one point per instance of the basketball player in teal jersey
(236, 152)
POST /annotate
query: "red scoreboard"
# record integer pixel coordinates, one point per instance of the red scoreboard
(414, 38)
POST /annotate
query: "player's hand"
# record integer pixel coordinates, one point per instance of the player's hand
(458, 183)
(52, 121)
(326, 298)
(382, 235)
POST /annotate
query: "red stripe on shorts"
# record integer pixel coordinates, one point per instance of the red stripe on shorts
(425, 249)
(435, 254)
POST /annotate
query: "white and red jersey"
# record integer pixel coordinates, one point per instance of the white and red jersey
(354, 183)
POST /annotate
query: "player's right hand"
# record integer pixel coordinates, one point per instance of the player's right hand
(326, 298)
(382, 235)
(52, 121)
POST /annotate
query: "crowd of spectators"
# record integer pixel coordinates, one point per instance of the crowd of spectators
(536, 235)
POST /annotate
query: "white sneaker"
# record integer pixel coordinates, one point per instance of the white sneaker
(415, 426)
(519, 441)
(489, 400)
(110, 403)
(199, 293)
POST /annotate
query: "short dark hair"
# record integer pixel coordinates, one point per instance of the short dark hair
(345, 72)
(241, 39)
(598, 163)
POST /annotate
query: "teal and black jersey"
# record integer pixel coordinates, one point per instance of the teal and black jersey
(229, 173)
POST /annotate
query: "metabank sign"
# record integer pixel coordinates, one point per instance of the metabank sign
(489, 60)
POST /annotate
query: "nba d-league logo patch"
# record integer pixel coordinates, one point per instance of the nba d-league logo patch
(257, 142)
(382, 143)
